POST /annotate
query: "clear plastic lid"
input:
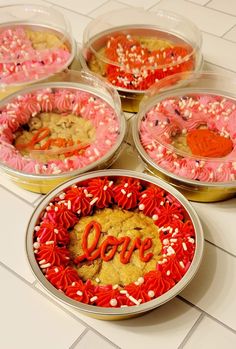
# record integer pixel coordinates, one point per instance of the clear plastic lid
(72, 123)
(133, 48)
(35, 42)
(190, 131)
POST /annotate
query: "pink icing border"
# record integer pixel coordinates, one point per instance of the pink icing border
(180, 114)
(61, 100)
(20, 62)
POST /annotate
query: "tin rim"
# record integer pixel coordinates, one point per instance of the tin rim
(127, 311)
(81, 87)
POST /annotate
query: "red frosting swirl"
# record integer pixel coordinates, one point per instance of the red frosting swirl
(102, 190)
(62, 277)
(80, 200)
(168, 213)
(177, 229)
(50, 232)
(138, 294)
(150, 200)
(81, 292)
(158, 282)
(64, 216)
(126, 194)
(49, 255)
(173, 268)
(107, 296)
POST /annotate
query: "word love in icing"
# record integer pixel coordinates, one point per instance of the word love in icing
(109, 246)
(41, 134)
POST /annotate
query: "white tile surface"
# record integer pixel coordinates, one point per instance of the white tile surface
(219, 51)
(171, 321)
(231, 35)
(210, 334)
(15, 214)
(83, 7)
(199, 2)
(107, 7)
(206, 19)
(214, 217)
(228, 6)
(26, 195)
(213, 288)
(29, 320)
(92, 340)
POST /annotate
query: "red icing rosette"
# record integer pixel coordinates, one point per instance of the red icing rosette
(81, 292)
(49, 255)
(101, 189)
(48, 231)
(126, 194)
(173, 268)
(109, 297)
(157, 283)
(150, 200)
(65, 216)
(62, 277)
(80, 200)
(136, 294)
(176, 229)
(168, 213)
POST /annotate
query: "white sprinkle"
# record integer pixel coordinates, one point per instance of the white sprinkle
(93, 201)
(36, 245)
(79, 211)
(56, 231)
(62, 196)
(191, 240)
(155, 217)
(126, 185)
(140, 280)
(80, 293)
(113, 302)
(73, 283)
(144, 195)
(43, 266)
(165, 241)
(56, 270)
(110, 183)
(49, 242)
(141, 207)
(184, 246)
(69, 205)
(105, 187)
(168, 273)
(42, 261)
(123, 191)
(129, 195)
(37, 228)
(56, 209)
(123, 292)
(97, 280)
(151, 294)
(170, 251)
(93, 299)
(181, 263)
(132, 299)
(115, 286)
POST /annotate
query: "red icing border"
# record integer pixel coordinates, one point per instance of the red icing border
(176, 233)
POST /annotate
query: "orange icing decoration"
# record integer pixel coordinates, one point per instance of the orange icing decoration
(207, 143)
(93, 252)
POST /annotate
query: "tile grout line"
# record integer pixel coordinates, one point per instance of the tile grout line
(97, 8)
(73, 345)
(191, 331)
(208, 2)
(214, 9)
(223, 36)
(221, 66)
(67, 9)
(220, 248)
(16, 195)
(51, 300)
(207, 314)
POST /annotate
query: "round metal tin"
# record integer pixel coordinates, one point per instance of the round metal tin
(117, 313)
